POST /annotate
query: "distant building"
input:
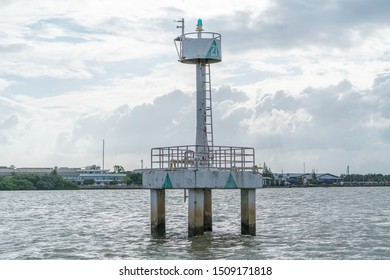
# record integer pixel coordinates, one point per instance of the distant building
(304, 179)
(71, 174)
(76, 175)
(327, 178)
(6, 171)
(34, 170)
(100, 176)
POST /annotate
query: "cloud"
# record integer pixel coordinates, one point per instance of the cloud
(62, 29)
(290, 24)
(333, 117)
(322, 125)
(168, 121)
(224, 93)
(9, 122)
(133, 131)
(317, 126)
(300, 81)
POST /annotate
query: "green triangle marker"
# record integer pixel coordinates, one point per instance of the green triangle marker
(213, 51)
(167, 183)
(230, 183)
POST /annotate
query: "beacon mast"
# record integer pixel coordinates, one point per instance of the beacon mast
(204, 166)
(201, 49)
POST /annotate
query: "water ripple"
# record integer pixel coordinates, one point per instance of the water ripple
(320, 223)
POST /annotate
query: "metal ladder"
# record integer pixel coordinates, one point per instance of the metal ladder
(209, 111)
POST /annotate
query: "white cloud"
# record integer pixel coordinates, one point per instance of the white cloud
(311, 127)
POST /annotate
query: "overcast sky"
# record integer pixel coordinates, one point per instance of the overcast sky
(306, 83)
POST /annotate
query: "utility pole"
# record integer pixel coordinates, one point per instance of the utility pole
(103, 156)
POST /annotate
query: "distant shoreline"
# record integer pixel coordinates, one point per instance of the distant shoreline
(111, 187)
(330, 186)
(135, 187)
(139, 187)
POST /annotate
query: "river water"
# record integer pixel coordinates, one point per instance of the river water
(309, 223)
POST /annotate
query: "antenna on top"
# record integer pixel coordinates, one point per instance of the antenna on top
(181, 26)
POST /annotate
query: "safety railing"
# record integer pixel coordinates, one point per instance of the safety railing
(203, 157)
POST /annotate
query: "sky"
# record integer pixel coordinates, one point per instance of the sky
(306, 83)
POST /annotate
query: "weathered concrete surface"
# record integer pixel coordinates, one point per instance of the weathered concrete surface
(157, 217)
(203, 179)
(195, 212)
(248, 211)
(208, 210)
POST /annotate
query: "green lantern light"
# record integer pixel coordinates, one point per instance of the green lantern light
(199, 27)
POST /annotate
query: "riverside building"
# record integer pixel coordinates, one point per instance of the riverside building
(92, 173)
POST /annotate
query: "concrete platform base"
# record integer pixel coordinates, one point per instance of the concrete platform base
(201, 179)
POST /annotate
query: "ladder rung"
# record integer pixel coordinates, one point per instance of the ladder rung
(209, 115)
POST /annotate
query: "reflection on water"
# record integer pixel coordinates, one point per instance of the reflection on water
(320, 223)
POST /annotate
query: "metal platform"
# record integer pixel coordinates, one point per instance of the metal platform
(192, 166)
(194, 157)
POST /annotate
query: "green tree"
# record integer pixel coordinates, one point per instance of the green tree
(114, 182)
(133, 178)
(44, 184)
(88, 182)
(27, 181)
(7, 184)
(313, 179)
(119, 169)
(267, 171)
(23, 184)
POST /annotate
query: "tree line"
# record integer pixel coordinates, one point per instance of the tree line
(29, 181)
(370, 177)
(53, 181)
(132, 178)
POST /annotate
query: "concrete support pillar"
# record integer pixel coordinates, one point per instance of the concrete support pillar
(248, 211)
(157, 217)
(195, 212)
(208, 212)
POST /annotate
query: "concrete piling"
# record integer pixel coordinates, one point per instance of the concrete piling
(200, 212)
(248, 211)
(157, 212)
(195, 212)
(208, 213)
